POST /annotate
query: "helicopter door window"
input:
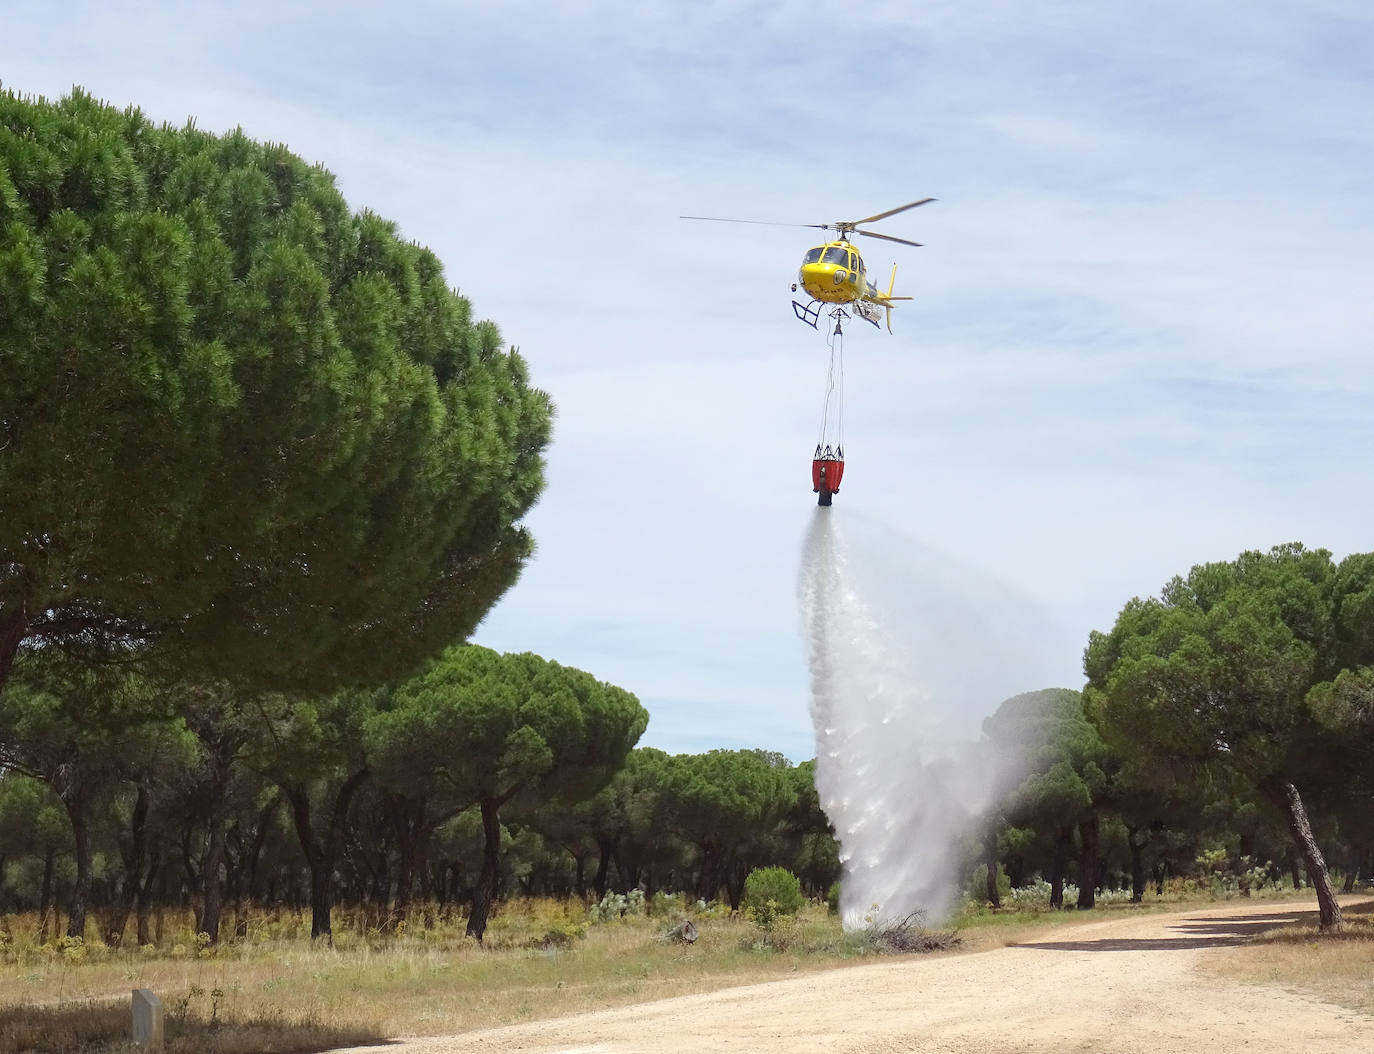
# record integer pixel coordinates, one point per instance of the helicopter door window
(853, 267)
(836, 255)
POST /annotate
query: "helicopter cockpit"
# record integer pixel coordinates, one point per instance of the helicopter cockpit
(834, 254)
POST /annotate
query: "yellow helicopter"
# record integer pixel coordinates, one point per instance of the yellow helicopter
(834, 273)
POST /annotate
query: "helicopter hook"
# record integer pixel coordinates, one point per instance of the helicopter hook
(839, 315)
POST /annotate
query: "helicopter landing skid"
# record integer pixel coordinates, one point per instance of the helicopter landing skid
(810, 314)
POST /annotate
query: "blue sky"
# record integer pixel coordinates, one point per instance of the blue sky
(1142, 329)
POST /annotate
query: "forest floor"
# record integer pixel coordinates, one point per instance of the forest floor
(1232, 976)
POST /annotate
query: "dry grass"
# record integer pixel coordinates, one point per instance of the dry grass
(104, 1026)
(275, 990)
(1335, 967)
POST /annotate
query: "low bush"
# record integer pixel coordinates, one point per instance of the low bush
(564, 935)
(663, 904)
(618, 905)
(771, 893)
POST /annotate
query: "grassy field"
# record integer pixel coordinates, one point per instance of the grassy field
(542, 958)
(274, 990)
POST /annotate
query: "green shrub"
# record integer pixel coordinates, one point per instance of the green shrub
(562, 935)
(832, 898)
(666, 904)
(618, 905)
(770, 893)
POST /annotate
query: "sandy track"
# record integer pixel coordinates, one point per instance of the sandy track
(1124, 985)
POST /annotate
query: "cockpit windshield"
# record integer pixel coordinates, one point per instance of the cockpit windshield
(814, 256)
(836, 255)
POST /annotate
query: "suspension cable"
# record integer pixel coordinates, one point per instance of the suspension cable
(832, 406)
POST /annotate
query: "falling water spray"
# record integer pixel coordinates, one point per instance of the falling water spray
(907, 654)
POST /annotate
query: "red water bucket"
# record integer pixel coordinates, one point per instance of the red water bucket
(834, 472)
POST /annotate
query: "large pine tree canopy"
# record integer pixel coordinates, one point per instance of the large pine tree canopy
(239, 422)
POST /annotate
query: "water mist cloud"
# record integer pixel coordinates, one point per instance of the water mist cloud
(908, 653)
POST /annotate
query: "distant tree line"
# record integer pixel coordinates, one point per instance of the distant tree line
(486, 776)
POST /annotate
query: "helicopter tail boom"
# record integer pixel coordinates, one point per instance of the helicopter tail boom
(884, 300)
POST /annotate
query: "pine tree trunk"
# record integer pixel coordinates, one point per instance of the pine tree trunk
(320, 853)
(1137, 866)
(627, 867)
(413, 829)
(439, 882)
(405, 879)
(133, 869)
(1062, 844)
(454, 870)
(81, 891)
(212, 891)
(249, 880)
(605, 848)
(321, 907)
(45, 895)
(734, 883)
(1327, 906)
(145, 899)
(990, 832)
(320, 875)
(1087, 864)
(13, 625)
(163, 892)
(321, 904)
(485, 892)
(1016, 870)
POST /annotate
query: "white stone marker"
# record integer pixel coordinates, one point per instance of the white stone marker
(147, 1018)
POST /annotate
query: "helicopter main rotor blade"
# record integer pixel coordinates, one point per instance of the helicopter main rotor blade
(893, 212)
(763, 223)
(888, 238)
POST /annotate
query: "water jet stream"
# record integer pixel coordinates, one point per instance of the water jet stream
(907, 654)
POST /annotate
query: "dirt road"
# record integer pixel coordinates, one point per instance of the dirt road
(1124, 985)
